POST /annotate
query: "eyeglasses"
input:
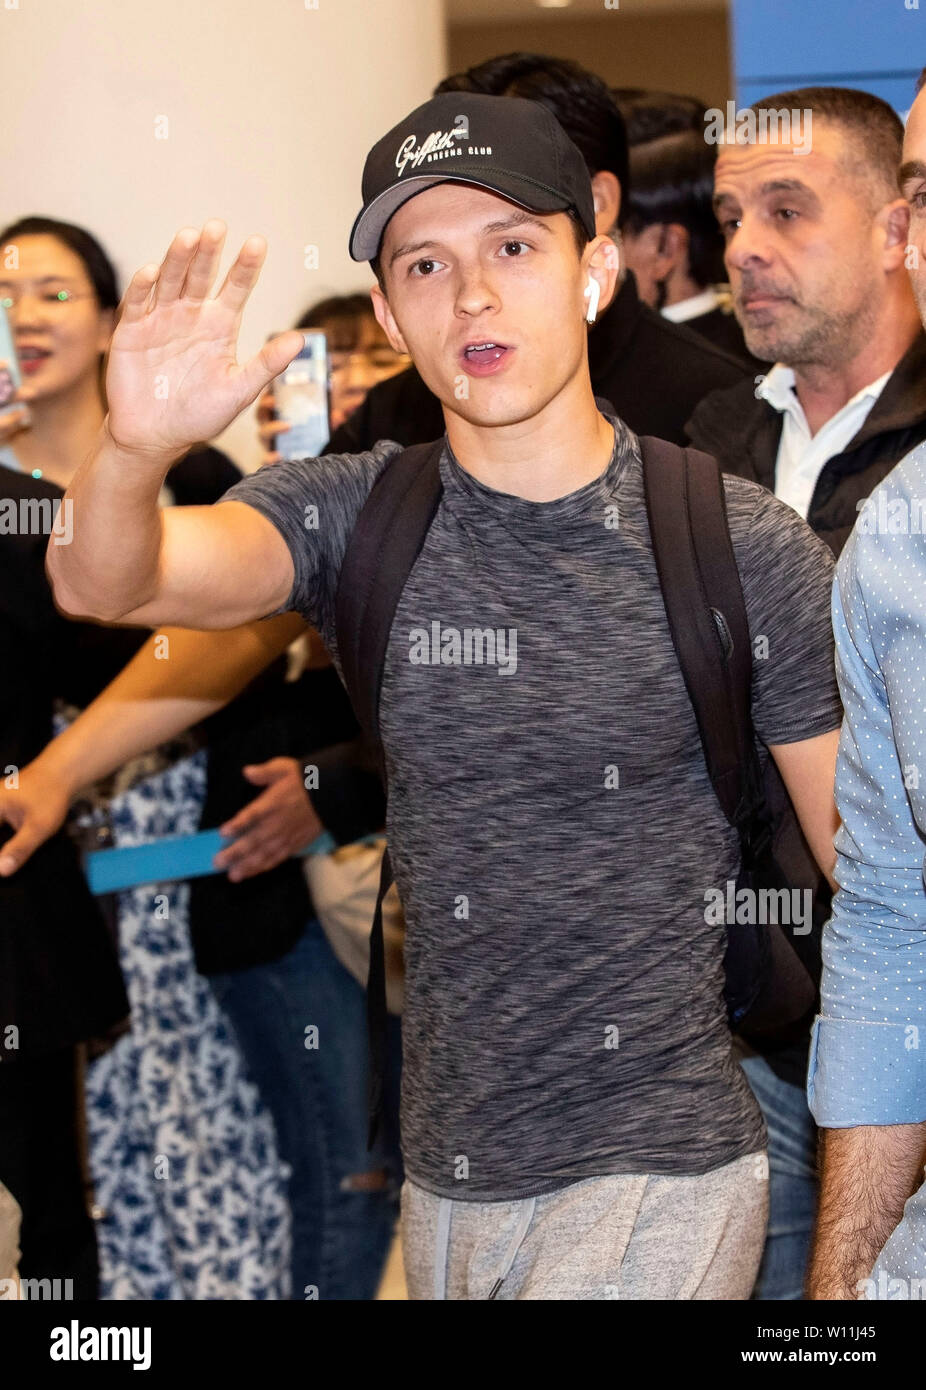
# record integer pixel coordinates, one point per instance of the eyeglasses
(381, 360)
(54, 297)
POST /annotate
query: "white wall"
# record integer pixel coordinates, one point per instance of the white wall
(271, 108)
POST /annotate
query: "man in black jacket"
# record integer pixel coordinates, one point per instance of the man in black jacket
(815, 250)
(821, 290)
(653, 372)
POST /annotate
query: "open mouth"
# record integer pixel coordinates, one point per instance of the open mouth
(31, 358)
(485, 357)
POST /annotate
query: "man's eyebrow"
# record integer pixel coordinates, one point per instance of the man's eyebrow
(786, 186)
(503, 224)
(772, 186)
(913, 169)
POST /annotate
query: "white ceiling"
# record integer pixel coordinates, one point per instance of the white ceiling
(460, 12)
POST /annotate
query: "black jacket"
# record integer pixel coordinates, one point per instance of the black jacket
(59, 976)
(743, 433)
(235, 926)
(654, 373)
(723, 330)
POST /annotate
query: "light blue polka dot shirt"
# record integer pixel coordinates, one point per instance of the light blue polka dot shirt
(868, 1050)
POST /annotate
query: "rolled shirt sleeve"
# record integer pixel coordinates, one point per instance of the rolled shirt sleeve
(868, 1049)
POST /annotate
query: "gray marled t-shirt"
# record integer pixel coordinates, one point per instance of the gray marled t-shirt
(552, 825)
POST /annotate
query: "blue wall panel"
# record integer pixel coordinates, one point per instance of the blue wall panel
(878, 45)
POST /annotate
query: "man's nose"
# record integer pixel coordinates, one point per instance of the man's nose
(748, 244)
(475, 290)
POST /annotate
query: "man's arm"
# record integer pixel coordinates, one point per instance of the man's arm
(866, 1084)
(173, 379)
(869, 1171)
(808, 770)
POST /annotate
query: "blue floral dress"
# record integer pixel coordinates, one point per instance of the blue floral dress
(190, 1192)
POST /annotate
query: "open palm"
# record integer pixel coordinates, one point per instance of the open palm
(173, 378)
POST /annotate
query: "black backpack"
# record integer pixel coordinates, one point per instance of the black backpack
(770, 990)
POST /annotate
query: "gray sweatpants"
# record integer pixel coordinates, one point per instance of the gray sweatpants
(617, 1237)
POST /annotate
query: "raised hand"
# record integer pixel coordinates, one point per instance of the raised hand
(173, 378)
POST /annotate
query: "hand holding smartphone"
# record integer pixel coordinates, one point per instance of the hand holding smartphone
(300, 399)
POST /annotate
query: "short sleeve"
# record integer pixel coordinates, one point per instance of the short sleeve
(314, 504)
(787, 577)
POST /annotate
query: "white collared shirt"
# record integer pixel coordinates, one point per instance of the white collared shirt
(802, 456)
(704, 303)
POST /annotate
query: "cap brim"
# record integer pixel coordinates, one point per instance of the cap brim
(367, 231)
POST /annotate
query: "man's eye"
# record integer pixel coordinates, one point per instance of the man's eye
(416, 268)
(508, 244)
(787, 213)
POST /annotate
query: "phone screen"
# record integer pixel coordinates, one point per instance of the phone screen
(10, 374)
(300, 397)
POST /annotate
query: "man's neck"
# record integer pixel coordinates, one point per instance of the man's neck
(566, 445)
(823, 389)
(62, 432)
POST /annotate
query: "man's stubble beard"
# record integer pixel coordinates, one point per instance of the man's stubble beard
(821, 339)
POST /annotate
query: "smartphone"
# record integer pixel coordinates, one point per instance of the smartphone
(10, 373)
(301, 398)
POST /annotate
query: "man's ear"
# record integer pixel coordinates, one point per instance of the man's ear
(386, 321)
(606, 192)
(601, 262)
(894, 220)
(674, 246)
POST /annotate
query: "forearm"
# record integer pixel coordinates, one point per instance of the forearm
(109, 565)
(808, 769)
(177, 679)
(869, 1171)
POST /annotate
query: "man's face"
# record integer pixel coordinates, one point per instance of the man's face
(802, 248)
(913, 187)
(487, 298)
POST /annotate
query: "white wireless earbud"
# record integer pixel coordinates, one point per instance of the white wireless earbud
(592, 294)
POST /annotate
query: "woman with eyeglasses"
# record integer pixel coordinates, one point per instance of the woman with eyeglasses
(191, 1194)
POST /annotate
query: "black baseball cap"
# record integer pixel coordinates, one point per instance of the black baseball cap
(509, 145)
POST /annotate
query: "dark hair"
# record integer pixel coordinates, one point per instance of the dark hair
(578, 231)
(873, 127)
(342, 315)
(921, 82)
(673, 181)
(649, 115)
(579, 100)
(97, 264)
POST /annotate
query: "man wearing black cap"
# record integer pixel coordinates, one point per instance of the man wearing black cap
(574, 1125)
(653, 372)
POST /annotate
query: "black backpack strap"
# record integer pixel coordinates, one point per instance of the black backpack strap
(697, 572)
(381, 553)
